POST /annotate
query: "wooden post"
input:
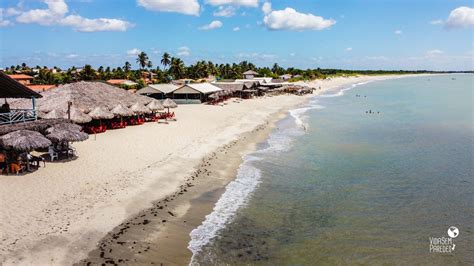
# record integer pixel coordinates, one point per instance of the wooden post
(69, 110)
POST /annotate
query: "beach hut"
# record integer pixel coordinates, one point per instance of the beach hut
(24, 141)
(85, 96)
(10, 88)
(194, 93)
(250, 74)
(158, 91)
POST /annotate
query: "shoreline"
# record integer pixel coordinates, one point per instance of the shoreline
(62, 234)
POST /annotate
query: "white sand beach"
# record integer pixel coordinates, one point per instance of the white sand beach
(57, 214)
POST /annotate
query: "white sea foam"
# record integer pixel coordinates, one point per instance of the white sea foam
(237, 192)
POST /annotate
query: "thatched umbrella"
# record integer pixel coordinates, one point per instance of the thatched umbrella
(67, 136)
(101, 113)
(139, 108)
(77, 116)
(54, 114)
(121, 110)
(168, 103)
(155, 105)
(64, 126)
(25, 141)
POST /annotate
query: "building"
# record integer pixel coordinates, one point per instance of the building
(194, 93)
(121, 82)
(22, 78)
(250, 74)
(159, 91)
(285, 77)
(10, 88)
(40, 87)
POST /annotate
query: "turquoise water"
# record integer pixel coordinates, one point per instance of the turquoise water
(337, 185)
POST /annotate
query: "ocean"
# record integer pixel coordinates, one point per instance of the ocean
(373, 173)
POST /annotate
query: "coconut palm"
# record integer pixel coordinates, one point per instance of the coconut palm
(166, 60)
(177, 68)
(127, 67)
(142, 60)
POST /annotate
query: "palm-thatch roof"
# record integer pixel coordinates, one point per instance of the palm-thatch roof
(139, 108)
(24, 140)
(77, 116)
(38, 125)
(101, 113)
(54, 114)
(168, 103)
(121, 110)
(67, 135)
(85, 96)
(155, 105)
(63, 126)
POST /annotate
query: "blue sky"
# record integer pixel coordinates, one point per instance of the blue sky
(352, 34)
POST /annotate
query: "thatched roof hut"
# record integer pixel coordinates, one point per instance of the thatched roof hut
(24, 140)
(39, 125)
(63, 126)
(121, 110)
(67, 135)
(155, 105)
(77, 116)
(54, 114)
(168, 103)
(101, 113)
(138, 108)
(85, 96)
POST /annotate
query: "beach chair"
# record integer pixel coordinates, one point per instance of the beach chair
(53, 154)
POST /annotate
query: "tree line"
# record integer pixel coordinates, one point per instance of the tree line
(173, 68)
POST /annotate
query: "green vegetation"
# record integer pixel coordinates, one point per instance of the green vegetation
(174, 68)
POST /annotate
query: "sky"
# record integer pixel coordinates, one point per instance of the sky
(349, 34)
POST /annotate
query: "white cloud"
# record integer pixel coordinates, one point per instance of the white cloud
(461, 17)
(4, 22)
(236, 29)
(91, 25)
(133, 52)
(348, 49)
(184, 51)
(247, 3)
(72, 56)
(436, 22)
(56, 12)
(211, 26)
(434, 53)
(398, 32)
(290, 19)
(228, 11)
(255, 56)
(267, 8)
(188, 7)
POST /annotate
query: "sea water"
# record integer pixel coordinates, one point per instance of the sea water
(367, 174)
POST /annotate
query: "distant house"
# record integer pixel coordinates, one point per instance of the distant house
(250, 74)
(285, 77)
(40, 87)
(22, 78)
(122, 82)
(158, 91)
(194, 93)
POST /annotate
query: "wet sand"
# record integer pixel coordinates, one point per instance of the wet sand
(160, 235)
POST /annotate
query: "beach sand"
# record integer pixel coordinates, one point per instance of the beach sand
(135, 194)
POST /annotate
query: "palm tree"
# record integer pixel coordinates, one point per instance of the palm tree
(166, 60)
(142, 60)
(127, 67)
(177, 68)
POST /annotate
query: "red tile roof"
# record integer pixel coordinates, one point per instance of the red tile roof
(116, 81)
(20, 76)
(41, 87)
